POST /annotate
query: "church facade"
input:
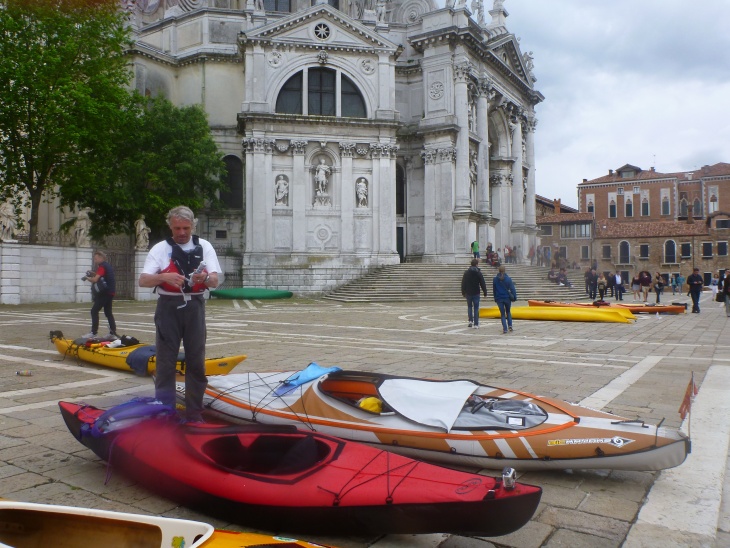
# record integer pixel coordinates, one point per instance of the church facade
(356, 133)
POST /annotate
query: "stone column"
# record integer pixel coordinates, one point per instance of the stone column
(430, 185)
(518, 206)
(347, 193)
(298, 196)
(258, 189)
(482, 205)
(461, 109)
(530, 215)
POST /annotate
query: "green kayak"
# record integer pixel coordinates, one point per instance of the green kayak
(250, 293)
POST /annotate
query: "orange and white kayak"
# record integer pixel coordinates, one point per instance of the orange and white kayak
(635, 308)
(459, 422)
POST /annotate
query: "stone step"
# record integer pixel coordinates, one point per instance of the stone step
(442, 282)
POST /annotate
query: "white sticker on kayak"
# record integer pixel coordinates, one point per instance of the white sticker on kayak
(616, 441)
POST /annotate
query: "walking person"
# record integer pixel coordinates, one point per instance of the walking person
(592, 285)
(695, 283)
(173, 268)
(714, 284)
(602, 285)
(103, 289)
(646, 282)
(505, 294)
(475, 249)
(680, 283)
(472, 283)
(726, 293)
(658, 286)
(619, 287)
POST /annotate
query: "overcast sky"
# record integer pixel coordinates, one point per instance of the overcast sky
(643, 82)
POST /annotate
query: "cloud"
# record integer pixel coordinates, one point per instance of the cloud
(641, 82)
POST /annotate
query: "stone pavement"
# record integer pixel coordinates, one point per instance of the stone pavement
(641, 369)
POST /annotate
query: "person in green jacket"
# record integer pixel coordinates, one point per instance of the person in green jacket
(475, 249)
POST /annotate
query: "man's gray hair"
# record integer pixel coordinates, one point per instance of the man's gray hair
(181, 212)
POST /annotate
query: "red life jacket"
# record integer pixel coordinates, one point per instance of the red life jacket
(185, 263)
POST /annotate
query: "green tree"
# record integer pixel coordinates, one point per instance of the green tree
(165, 156)
(63, 95)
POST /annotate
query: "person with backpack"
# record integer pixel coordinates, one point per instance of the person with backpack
(505, 293)
(103, 289)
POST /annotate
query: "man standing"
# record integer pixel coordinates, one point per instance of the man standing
(471, 282)
(592, 285)
(619, 283)
(695, 283)
(173, 268)
(475, 249)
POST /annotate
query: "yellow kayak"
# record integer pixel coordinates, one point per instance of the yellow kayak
(116, 357)
(565, 314)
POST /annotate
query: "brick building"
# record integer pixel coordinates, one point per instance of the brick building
(634, 219)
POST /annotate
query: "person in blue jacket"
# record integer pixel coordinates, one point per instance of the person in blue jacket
(505, 294)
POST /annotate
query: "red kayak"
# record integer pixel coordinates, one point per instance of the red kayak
(288, 480)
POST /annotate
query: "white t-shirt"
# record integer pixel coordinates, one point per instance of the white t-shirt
(158, 259)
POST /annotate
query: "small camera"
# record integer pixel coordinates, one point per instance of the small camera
(89, 273)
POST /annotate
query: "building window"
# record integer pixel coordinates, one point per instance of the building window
(707, 250)
(606, 251)
(644, 207)
(277, 5)
(629, 208)
(546, 230)
(321, 95)
(713, 204)
(612, 209)
(685, 250)
(624, 253)
(683, 207)
(221, 234)
(620, 191)
(722, 223)
(637, 190)
(589, 208)
(232, 195)
(575, 231)
(722, 249)
(665, 206)
(697, 208)
(670, 252)
(644, 251)
(584, 252)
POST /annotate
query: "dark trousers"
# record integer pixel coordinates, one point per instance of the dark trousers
(186, 324)
(103, 300)
(695, 300)
(472, 303)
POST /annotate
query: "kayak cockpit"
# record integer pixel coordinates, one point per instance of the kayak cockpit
(275, 455)
(446, 405)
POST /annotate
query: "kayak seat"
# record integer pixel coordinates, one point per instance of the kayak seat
(283, 455)
(270, 455)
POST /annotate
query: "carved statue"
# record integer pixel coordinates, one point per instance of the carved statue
(361, 189)
(259, 5)
(498, 5)
(81, 228)
(7, 222)
(142, 232)
(281, 190)
(321, 176)
(477, 8)
(380, 11)
(528, 59)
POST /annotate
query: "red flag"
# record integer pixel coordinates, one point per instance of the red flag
(689, 395)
